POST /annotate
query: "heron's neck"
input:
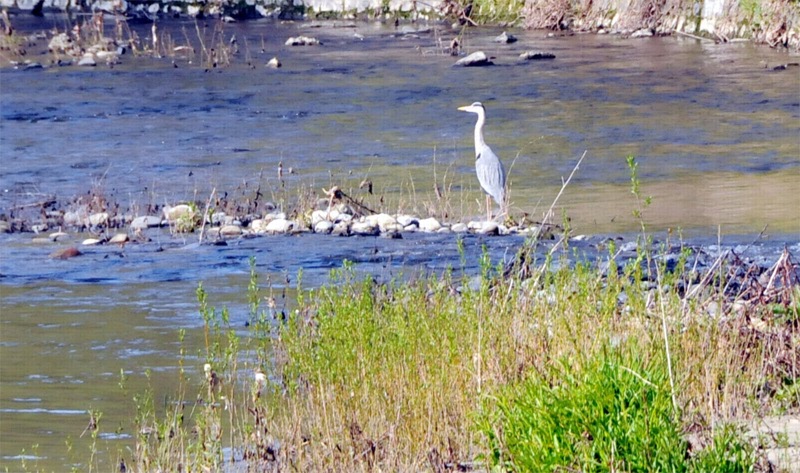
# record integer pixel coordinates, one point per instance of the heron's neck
(479, 143)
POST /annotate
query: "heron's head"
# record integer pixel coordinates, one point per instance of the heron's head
(476, 107)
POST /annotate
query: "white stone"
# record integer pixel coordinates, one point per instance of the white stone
(489, 228)
(406, 220)
(459, 227)
(87, 60)
(177, 212)
(119, 238)
(99, 218)
(323, 227)
(91, 241)
(382, 220)
(318, 216)
(145, 221)
(475, 225)
(275, 216)
(230, 230)
(393, 228)
(74, 218)
(429, 225)
(364, 228)
(280, 225)
(258, 226)
(302, 41)
(58, 236)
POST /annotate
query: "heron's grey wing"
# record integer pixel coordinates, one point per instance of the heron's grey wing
(491, 174)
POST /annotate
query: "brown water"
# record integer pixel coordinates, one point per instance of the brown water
(714, 128)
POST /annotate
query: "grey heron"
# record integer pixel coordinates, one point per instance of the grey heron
(491, 174)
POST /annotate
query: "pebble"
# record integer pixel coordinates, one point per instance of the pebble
(5, 227)
(65, 253)
(91, 242)
(475, 59)
(274, 63)
(145, 221)
(459, 227)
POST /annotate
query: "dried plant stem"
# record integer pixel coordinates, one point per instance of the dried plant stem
(205, 214)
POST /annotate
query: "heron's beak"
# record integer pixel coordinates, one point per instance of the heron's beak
(464, 108)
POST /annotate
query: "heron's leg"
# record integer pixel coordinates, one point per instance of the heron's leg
(488, 208)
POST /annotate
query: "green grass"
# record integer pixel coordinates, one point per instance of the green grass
(564, 371)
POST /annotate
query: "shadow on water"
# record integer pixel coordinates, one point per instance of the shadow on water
(713, 128)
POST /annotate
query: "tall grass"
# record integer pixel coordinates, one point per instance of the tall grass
(605, 365)
(445, 372)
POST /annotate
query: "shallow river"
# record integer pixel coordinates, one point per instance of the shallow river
(714, 129)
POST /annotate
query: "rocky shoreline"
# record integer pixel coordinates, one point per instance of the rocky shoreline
(772, 22)
(338, 214)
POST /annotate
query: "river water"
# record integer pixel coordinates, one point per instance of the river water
(714, 128)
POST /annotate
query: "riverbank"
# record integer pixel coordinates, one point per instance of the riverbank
(512, 367)
(772, 22)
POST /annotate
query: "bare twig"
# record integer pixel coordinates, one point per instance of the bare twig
(205, 214)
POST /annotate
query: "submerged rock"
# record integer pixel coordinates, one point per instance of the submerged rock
(505, 38)
(476, 59)
(274, 63)
(65, 253)
(302, 41)
(536, 56)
